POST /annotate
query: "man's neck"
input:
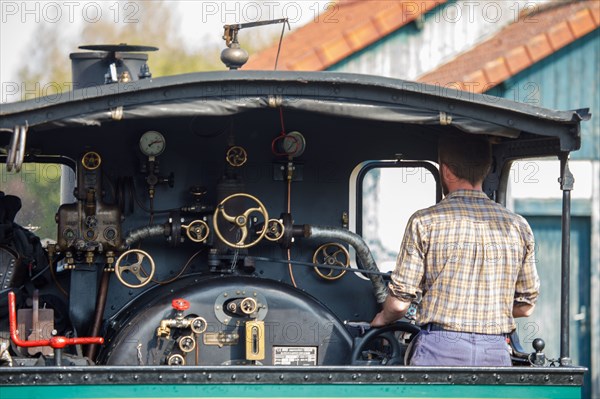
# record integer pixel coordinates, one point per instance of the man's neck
(463, 186)
(452, 183)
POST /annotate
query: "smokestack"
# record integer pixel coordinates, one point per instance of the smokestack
(109, 64)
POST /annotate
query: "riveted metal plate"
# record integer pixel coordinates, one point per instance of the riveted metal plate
(542, 376)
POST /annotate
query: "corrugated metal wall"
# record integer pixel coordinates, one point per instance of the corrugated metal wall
(545, 322)
(567, 79)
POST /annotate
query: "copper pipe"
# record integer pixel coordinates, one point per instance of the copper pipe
(100, 305)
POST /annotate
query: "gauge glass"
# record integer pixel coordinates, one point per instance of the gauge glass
(152, 143)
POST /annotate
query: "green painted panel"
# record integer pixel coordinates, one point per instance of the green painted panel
(289, 391)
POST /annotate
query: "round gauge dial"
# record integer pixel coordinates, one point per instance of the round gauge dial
(152, 143)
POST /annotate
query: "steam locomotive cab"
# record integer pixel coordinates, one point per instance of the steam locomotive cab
(239, 220)
(216, 219)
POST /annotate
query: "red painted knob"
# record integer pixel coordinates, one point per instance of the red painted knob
(180, 304)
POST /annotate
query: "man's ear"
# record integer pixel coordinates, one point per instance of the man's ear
(446, 173)
(443, 170)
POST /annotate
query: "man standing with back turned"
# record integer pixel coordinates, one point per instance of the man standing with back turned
(472, 260)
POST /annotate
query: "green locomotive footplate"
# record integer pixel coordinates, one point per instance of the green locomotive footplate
(293, 382)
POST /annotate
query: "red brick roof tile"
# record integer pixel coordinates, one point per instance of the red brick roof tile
(518, 46)
(560, 35)
(345, 28)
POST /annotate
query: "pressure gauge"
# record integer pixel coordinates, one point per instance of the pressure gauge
(152, 143)
(293, 144)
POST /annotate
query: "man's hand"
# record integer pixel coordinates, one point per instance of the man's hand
(393, 309)
(379, 320)
(522, 309)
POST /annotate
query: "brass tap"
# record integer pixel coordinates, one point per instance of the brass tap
(89, 257)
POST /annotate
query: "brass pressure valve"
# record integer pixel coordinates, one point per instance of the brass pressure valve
(196, 324)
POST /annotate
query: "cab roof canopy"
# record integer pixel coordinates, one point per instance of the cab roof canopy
(344, 104)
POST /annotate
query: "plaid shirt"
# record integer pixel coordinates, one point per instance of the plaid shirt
(472, 259)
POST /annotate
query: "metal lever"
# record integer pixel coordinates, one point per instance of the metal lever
(362, 325)
(230, 31)
(57, 342)
(16, 148)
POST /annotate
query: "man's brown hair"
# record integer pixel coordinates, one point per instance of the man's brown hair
(468, 157)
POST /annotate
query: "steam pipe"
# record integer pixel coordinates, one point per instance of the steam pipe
(145, 232)
(362, 251)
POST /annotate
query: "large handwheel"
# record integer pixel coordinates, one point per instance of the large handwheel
(240, 221)
(396, 357)
(135, 268)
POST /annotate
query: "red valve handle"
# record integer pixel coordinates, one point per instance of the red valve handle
(180, 304)
(57, 342)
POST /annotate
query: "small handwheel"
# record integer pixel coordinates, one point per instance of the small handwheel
(187, 343)
(197, 230)
(176, 360)
(198, 325)
(367, 345)
(236, 156)
(275, 230)
(91, 160)
(135, 268)
(248, 305)
(331, 254)
(240, 222)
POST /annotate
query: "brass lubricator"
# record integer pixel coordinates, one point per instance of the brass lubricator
(89, 227)
(331, 254)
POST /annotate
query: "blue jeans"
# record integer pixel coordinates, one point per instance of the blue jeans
(452, 348)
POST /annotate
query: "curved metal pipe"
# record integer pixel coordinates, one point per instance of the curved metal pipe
(56, 342)
(100, 305)
(362, 251)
